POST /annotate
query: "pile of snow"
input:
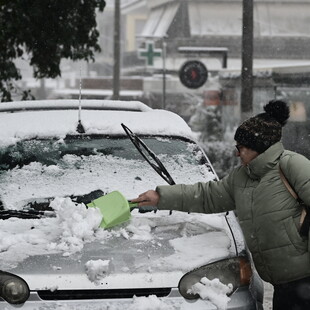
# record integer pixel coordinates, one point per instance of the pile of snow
(213, 290)
(96, 270)
(77, 225)
(73, 226)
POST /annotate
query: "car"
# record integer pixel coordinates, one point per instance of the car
(57, 158)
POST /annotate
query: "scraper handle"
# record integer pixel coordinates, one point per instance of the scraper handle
(134, 205)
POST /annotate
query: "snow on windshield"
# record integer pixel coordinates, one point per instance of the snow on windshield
(78, 175)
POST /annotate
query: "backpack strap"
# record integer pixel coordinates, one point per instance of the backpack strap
(305, 213)
(287, 184)
(284, 158)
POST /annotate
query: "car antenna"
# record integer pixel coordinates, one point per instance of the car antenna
(80, 127)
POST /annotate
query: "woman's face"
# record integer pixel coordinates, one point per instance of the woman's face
(246, 155)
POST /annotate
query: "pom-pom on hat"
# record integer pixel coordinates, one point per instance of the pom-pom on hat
(265, 129)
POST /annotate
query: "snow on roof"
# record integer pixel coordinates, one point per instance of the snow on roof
(58, 118)
(71, 103)
(97, 92)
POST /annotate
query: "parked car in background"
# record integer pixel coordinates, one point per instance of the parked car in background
(56, 156)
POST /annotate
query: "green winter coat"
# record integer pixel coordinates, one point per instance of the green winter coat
(268, 214)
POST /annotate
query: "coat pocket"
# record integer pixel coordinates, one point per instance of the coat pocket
(294, 237)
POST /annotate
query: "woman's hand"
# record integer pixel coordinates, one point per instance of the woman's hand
(149, 198)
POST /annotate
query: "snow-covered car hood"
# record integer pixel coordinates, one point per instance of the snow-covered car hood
(151, 250)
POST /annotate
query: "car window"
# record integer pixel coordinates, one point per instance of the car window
(39, 168)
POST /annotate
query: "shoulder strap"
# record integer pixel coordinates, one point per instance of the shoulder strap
(287, 184)
(293, 193)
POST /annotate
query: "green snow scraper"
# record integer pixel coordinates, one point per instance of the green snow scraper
(114, 207)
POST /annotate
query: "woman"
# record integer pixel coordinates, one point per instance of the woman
(268, 214)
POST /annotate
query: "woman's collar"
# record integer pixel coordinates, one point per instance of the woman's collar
(265, 161)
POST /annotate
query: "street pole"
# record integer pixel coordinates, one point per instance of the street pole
(247, 60)
(164, 73)
(116, 67)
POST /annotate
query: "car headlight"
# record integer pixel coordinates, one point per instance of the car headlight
(13, 289)
(236, 271)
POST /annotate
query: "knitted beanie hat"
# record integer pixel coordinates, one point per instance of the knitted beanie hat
(265, 129)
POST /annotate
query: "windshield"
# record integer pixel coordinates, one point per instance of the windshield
(78, 165)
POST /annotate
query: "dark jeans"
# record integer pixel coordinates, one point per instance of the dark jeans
(292, 296)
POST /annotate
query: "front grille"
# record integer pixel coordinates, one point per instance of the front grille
(102, 294)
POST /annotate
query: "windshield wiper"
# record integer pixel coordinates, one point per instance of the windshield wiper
(26, 214)
(40, 207)
(142, 147)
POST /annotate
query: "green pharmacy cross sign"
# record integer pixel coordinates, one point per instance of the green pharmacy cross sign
(149, 53)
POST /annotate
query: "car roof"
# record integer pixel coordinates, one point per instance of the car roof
(58, 118)
(66, 104)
